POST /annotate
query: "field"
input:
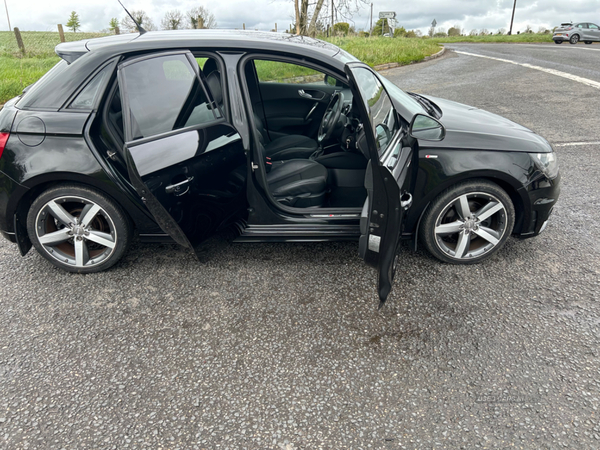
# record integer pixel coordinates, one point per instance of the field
(18, 70)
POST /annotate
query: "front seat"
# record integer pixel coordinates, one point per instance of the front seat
(293, 146)
(300, 183)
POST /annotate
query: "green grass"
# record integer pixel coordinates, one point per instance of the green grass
(38, 44)
(18, 73)
(498, 38)
(380, 50)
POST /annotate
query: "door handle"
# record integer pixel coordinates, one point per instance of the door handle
(179, 188)
(304, 94)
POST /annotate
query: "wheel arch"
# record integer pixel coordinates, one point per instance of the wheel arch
(506, 183)
(21, 201)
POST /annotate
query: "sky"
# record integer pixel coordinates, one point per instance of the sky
(30, 15)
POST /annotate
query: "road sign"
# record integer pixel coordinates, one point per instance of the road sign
(434, 23)
(387, 15)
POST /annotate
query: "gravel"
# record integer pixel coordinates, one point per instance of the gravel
(281, 346)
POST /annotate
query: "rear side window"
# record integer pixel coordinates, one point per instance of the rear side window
(594, 27)
(36, 95)
(87, 97)
(164, 94)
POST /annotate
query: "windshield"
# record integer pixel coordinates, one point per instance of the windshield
(402, 97)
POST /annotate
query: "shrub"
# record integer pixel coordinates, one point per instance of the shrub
(341, 28)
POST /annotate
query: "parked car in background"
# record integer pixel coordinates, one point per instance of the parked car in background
(178, 134)
(584, 31)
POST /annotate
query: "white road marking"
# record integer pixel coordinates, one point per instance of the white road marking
(573, 144)
(558, 73)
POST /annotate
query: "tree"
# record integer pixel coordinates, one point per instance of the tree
(411, 34)
(200, 17)
(308, 13)
(173, 20)
(400, 32)
(113, 24)
(341, 28)
(381, 27)
(141, 17)
(528, 29)
(484, 32)
(73, 22)
(473, 33)
(455, 31)
(501, 30)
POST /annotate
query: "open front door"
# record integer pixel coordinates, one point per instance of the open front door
(183, 158)
(383, 212)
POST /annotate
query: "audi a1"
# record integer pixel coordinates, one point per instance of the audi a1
(176, 135)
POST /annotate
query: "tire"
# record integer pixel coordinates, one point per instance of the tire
(588, 42)
(55, 230)
(444, 227)
(574, 39)
(558, 42)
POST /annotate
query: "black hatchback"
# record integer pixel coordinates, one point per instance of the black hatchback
(177, 135)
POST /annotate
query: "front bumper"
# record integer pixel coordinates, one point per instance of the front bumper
(543, 195)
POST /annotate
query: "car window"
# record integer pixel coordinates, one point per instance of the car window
(594, 27)
(381, 112)
(164, 94)
(86, 98)
(281, 72)
(581, 25)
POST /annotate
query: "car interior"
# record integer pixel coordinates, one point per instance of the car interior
(307, 129)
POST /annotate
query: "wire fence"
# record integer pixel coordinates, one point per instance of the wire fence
(37, 44)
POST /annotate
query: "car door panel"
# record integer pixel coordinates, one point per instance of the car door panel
(383, 212)
(192, 178)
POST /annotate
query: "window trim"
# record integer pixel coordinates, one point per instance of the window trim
(129, 141)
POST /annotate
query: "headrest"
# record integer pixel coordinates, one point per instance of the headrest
(214, 84)
(209, 66)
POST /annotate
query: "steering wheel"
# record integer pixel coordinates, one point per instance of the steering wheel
(331, 117)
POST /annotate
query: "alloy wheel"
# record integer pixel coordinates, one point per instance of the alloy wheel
(470, 226)
(76, 231)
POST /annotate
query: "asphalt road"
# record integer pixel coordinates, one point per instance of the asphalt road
(282, 346)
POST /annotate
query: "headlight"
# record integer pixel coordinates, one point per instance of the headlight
(547, 163)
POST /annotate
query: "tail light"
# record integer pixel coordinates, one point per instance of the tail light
(568, 29)
(3, 139)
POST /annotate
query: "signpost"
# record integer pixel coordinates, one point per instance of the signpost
(434, 23)
(390, 17)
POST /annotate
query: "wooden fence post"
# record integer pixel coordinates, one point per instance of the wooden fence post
(244, 26)
(19, 40)
(117, 30)
(275, 27)
(61, 32)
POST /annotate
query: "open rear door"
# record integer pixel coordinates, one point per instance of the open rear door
(383, 212)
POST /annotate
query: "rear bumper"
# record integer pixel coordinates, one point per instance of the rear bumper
(560, 38)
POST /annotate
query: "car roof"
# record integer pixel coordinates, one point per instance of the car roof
(217, 39)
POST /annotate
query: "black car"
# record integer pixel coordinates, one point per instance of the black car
(176, 135)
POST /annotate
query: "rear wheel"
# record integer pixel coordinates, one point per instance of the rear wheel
(78, 229)
(574, 39)
(468, 223)
(558, 42)
(588, 42)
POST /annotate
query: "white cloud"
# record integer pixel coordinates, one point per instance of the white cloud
(263, 14)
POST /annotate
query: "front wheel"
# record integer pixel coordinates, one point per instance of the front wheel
(468, 223)
(574, 39)
(78, 229)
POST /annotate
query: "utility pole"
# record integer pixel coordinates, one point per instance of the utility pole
(7, 18)
(513, 18)
(332, 16)
(371, 26)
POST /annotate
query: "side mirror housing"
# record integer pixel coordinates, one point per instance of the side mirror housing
(426, 128)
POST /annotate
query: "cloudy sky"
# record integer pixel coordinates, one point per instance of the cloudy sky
(43, 15)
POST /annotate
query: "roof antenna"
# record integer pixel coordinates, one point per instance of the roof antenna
(139, 27)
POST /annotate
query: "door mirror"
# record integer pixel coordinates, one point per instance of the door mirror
(330, 81)
(427, 128)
